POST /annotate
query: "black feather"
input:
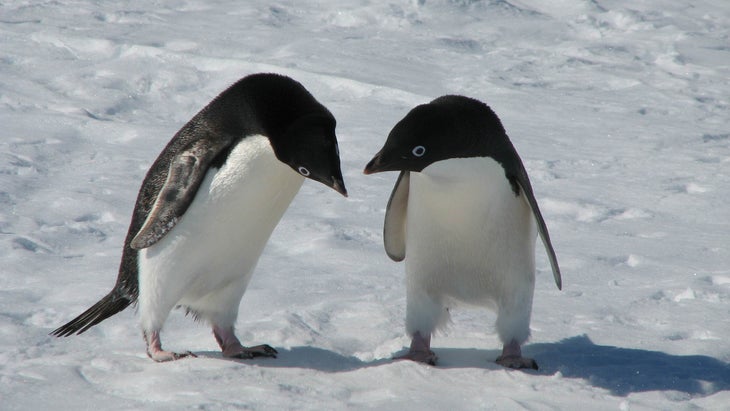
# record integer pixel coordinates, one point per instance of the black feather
(111, 304)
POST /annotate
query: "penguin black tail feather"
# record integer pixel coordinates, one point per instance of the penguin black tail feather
(111, 304)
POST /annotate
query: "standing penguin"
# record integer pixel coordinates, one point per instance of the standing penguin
(464, 217)
(209, 204)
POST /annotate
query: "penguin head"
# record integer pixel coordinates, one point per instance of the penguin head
(309, 147)
(448, 127)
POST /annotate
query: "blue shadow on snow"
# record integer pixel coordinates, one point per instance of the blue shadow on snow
(313, 358)
(627, 370)
(622, 371)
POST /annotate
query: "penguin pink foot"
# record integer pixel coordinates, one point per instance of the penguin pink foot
(232, 348)
(420, 350)
(512, 357)
(156, 353)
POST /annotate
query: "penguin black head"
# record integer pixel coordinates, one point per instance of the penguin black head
(448, 127)
(300, 129)
(309, 147)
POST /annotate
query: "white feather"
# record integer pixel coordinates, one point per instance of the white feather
(206, 261)
(470, 240)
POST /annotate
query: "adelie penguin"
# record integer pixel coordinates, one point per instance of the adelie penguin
(464, 217)
(209, 203)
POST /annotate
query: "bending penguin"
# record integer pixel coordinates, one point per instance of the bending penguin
(209, 203)
(464, 217)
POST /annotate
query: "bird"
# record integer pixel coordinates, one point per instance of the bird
(464, 217)
(208, 205)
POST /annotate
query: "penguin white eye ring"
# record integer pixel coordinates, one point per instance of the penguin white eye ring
(419, 151)
(303, 171)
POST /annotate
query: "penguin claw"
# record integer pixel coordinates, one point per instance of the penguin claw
(247, 353)
(516, 362)
(155, 351)
(426, 357)
(232, 348)
(164, 356)
(420, 350)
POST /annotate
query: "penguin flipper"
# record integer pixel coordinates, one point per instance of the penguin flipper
(526, 188)
(394, 229)
(186, 172)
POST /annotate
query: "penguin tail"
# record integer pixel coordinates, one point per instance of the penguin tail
(111, 304)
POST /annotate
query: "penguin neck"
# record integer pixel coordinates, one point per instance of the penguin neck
(471, 185)
(253, 159)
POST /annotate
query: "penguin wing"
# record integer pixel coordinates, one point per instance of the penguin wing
(186, 172)
(524, 183)
(394, 229)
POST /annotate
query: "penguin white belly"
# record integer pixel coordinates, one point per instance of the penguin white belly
(205, 262)
(469, 238)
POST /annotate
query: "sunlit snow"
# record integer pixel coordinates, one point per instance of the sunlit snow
(619, 109)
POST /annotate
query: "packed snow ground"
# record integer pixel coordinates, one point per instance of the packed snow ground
(618, 108)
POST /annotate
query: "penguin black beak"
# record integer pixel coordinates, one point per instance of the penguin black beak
(339, 185)
(375, 165)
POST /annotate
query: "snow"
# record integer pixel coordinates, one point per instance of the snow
(618, 108)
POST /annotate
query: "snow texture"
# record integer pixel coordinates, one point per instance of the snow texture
(618, 108)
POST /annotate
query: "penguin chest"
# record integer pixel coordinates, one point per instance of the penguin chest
(221, 235)
(468, 235)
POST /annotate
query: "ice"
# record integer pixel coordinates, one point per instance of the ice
(619, 110)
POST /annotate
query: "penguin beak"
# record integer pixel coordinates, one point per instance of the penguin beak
(338, 185)
(375, 165)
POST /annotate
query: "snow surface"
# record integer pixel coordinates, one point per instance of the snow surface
(618, 108)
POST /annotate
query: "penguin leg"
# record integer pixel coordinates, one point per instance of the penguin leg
(153, 312)
(513, 327)
(220, 309)
(420, 350)
(155, 351)
(423, 315)
(512, 357)
(232, 348)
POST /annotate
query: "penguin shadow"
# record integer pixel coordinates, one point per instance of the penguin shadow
(623, 371)
(312, 358)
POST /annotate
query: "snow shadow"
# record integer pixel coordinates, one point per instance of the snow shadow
(321, 359)
(628, 370)
(622, 371)
(307, 357)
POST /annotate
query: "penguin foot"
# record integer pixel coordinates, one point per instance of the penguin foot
(426, 357)
(516, 362)
(164, 356)
(246, 353)
(420, 350)
(512, 357)
(232, 348)
(155, 351)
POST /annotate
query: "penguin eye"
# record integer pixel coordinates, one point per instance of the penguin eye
(303, 171)
(419, 151)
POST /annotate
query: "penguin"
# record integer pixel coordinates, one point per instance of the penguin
(208, 205)
(464, 218)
